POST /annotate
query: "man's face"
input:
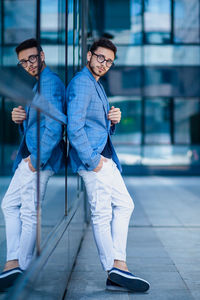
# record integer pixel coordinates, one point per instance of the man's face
(29, 60)
(100, 68)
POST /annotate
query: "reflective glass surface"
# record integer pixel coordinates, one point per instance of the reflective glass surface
(157, 21)
(129, 29)
(187, 121)
(19, 20)
(49, 21)
(157, 121)
(129, 129)
(187, 21)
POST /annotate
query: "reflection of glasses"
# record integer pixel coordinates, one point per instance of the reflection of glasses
(101, 59)
(24, 62)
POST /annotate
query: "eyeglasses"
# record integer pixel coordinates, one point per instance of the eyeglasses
(24, 62)
(101, 59)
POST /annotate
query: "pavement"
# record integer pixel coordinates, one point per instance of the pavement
(163, 244)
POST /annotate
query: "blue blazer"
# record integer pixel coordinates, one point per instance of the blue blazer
(51, 131)
(87, 125)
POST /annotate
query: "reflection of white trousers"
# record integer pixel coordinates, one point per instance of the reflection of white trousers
(111, 208)
(19, 208)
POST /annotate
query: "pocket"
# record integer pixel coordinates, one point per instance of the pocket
(104, 167)
(27, 167)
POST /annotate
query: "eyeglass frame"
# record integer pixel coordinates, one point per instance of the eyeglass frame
(26, 60)
(106, 60)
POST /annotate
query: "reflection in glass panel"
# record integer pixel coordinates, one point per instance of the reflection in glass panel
(129, 29)
(9, 57)
(53, 206)
(128, 56)
(172, 55)
(70, 56)
(187, 21)
(9, 135)
(20, 20)
(49, 21)
(76, 37)
(187, 121)
(128, 131)
(157, 121)
(170, 155)
(157, 21)
(136, 21)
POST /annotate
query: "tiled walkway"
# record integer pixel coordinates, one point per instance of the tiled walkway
(163, 244)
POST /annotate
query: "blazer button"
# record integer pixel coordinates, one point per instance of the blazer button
(87, 165)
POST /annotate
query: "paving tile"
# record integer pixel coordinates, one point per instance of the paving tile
(162, 247)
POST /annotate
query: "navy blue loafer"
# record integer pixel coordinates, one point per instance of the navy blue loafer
(112, 286)
(7, 278)
(128, 280)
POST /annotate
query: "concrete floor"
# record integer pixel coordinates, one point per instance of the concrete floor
(163, 244)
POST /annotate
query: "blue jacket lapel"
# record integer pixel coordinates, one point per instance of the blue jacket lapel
(99, 89)
(102, 97)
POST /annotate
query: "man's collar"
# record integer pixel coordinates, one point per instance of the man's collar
(87, 71)
(45, 71)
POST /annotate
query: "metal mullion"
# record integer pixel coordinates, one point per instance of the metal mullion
(38, 237)
(84, 10)
(79, 30)
(3, 100)
(2, 32)
(199, 22)
(142, 84)
(143, 23)
(172, 22)
(66, 82)
(74, 33)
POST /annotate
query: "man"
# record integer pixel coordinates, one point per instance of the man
(90, 124)
(19, 202)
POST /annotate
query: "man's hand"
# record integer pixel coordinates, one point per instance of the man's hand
(114, 115)
(100, 165)
(28, 159)
(18, 115)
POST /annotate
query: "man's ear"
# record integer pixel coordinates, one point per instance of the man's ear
(89, 55)
(42, 56)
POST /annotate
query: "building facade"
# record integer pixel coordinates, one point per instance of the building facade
(155, 80)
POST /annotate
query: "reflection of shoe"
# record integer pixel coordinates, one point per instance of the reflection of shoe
(128, 280)
(7, 278)
(112, 286)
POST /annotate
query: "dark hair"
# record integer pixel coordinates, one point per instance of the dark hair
(30, 43)
(105, 43)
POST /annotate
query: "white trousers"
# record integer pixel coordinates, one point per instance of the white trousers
(19, 208)
(111, 208)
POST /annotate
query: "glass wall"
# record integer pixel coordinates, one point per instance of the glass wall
(155, 80)
(61, 39)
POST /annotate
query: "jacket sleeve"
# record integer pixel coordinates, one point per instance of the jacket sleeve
(52, 92)
(79, 96)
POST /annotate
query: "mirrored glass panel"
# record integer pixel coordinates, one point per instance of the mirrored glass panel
(49, 21)
(187, 121)
(186, 21)
(19, 20)
(124, 23)
(172, 55)
(157, 121)
(157, 21)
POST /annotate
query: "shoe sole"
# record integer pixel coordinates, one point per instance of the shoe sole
(117, 289)
(7, 283)
(132, 284)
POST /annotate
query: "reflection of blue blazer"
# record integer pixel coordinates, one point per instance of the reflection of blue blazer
(51, 143)
(88, 127)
